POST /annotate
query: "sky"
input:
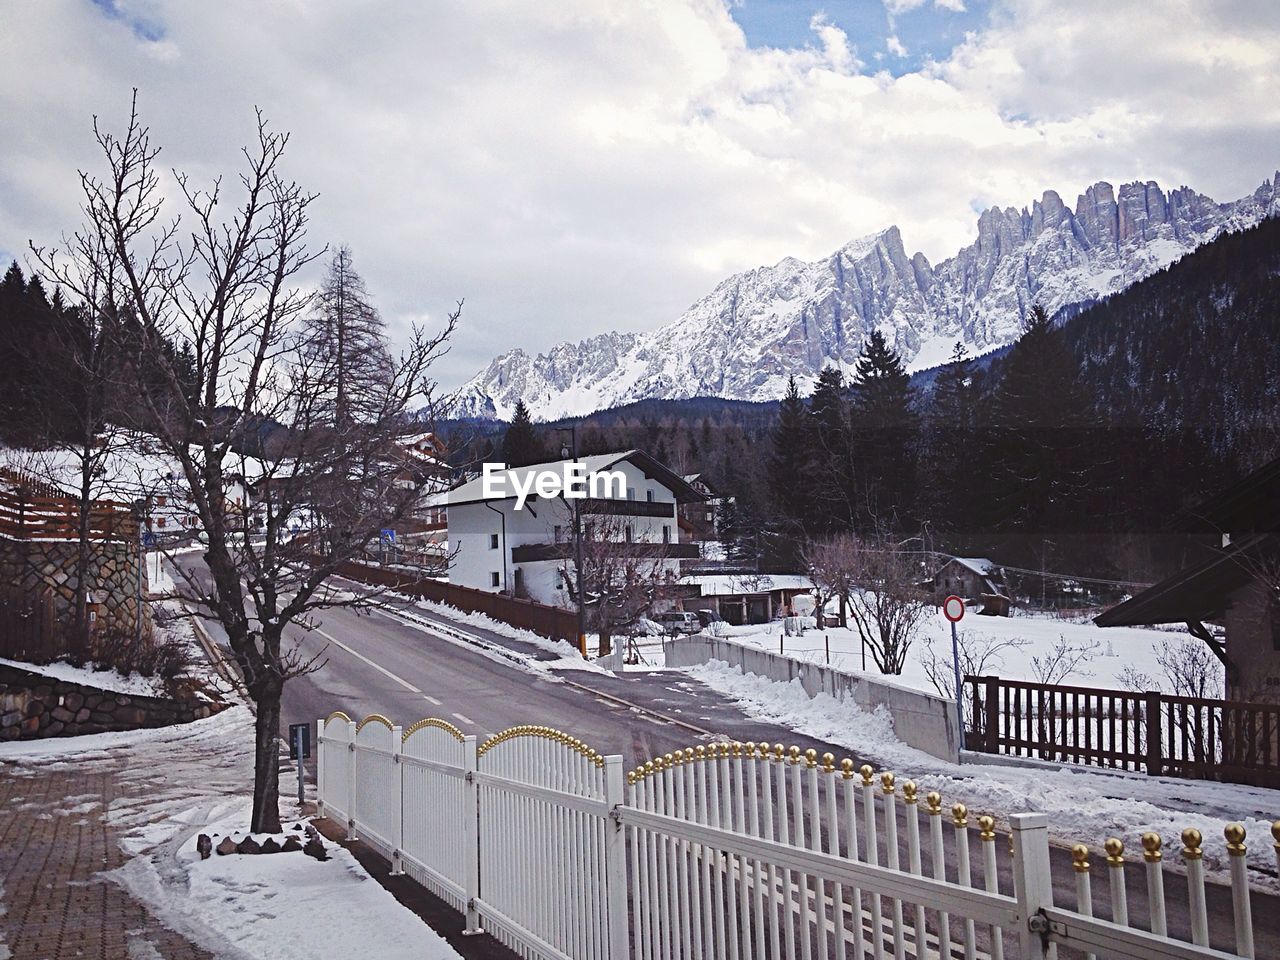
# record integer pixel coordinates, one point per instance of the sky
(581, 166)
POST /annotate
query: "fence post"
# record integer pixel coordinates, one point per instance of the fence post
(991, 690)
(351, 780)
(320, 767)
(397, 776)
(471, 835)
(1032, 882)
(615, 862)
(1155, 756)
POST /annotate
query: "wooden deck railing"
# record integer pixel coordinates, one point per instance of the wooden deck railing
(26, 515)
(1192, 737)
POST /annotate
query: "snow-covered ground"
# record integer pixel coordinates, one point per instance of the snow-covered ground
(174, 783)
(109, 680)
(1021, 641)
(1084, 805)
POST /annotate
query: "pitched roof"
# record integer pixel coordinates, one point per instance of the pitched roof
(1246, 506)
(1198, 593)
(473, 490)
(979, 565)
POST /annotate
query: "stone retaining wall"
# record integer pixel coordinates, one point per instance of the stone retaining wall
(921, 720)
(33, 706)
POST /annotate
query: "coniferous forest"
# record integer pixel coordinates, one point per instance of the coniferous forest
(1084, 446)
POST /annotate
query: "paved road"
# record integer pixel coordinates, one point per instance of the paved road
(401, 663)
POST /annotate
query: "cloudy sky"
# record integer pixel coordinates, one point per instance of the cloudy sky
(577, 166)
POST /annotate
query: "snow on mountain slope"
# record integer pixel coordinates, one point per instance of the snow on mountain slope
(757, 328)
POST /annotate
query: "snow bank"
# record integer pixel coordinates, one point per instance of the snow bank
(108, 680)
(1084, 806)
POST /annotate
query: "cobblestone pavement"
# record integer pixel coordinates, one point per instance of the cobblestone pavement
(55, 847)
(86, 822)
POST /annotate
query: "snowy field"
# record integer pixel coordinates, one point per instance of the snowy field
(1018, 648)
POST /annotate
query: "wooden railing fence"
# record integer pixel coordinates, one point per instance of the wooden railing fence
(1192, 737)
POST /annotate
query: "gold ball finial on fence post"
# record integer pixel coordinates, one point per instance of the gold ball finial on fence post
(794, 754)
(1191, 840)
(909, 792)
(933, 799)
(1234, 833)
(986, 827)
(846, 768)
(1151, 844)
(1115, 851)
(888, 783)
(779, 751)
(867, 774)
(811, 758)
(1080, 858)
(960, 815)
(828, 763)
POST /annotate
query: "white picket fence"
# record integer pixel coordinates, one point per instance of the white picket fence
(735, 851)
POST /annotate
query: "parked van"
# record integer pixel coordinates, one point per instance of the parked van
(677, 622)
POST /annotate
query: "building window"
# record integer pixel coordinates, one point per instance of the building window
(631, 494)
(666, 533)
(648, 495)
(628, 532)
(494, 579)
(710, 516)
(559, 534)
(493, 545)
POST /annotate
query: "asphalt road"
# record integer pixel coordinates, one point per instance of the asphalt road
(403, 664)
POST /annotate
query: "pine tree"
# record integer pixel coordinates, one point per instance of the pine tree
(885, 436)
(1036, 452)
(344, 348)
(521, 444)
(829, 454)
(950, 447)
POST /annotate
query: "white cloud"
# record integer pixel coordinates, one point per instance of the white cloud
(955, 6)
(581, 166)
(894, 46)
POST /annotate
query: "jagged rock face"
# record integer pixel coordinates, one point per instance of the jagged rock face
(757, 328)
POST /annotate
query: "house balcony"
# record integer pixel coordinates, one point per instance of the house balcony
(597, 506)
(530, 552)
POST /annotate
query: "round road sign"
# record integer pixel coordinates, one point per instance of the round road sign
(953, 608)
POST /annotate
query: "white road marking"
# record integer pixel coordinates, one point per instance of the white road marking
(433, 700)
(465, 719)
(359, 656)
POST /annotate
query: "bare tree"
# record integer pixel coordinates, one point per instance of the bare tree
(621, 577)
(979, 655)
(888, 605)
(833, 568)
(224, 281)
(1063, 659)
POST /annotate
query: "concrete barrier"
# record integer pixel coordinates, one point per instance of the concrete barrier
(922, 720)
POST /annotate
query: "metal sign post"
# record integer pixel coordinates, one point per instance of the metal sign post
(300, 749)
(953, 610)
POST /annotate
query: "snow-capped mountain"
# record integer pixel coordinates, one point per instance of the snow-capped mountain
(755, 329)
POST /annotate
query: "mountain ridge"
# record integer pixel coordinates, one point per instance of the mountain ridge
(756, 328)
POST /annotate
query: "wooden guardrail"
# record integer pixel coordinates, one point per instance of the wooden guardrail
(25, 515)
(1192, 737)
(555, 623)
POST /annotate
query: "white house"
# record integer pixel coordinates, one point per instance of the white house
(504, 546)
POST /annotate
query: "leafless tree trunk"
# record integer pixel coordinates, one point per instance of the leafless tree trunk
(248, 428)
(621, 576)
(888, 605)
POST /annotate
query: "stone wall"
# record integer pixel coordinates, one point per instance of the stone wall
(33, 706)
(113, 578)
(921, 720)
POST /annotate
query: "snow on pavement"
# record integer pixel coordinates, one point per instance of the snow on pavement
(1084, 805)
(108, 680)
(174, 783)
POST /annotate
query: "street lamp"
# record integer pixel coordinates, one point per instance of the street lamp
(565, 452)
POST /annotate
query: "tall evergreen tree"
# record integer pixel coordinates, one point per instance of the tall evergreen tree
(949, 446)
(790, 483)
(885, 435)
(1036, 453)
(521, 444)
(829, 453)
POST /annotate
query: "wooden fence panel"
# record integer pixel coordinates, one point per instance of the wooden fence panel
(1191, 737)
(27, 625)
(554, 623)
